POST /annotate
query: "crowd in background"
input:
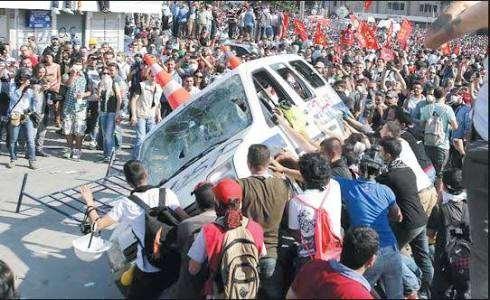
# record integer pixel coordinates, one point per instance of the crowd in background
(415, 105)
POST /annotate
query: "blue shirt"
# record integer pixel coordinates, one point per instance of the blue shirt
(367, 203)
(463, 117)
(249, 18)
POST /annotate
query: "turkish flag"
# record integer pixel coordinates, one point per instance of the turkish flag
(369, 36)
(404, 33)
(446, 49)
(367, 4)
(319, 37)
(300, 30)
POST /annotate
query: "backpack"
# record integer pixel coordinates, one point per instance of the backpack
(457, 248)
(434, 133)
(327, 244)
(160, 241)
(237, 276)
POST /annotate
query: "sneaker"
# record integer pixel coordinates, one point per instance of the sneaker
(67, 153)
(68, 11)
(92, 145)
(106, 159)
(11, 164)
(77, 154)
(41, 153)
(33, 165)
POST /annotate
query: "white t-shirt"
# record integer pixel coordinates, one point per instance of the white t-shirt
(408, 157)
(302, 217)
(126, 210)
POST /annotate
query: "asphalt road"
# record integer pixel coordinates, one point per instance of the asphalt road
(37, 242)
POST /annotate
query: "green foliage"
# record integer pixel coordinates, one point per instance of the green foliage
(289, 6)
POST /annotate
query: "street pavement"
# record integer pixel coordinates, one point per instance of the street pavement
(37, 242)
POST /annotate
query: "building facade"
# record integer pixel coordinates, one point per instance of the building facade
(416, 11)
(22, 19)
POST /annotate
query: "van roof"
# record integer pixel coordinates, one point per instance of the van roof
(261, 62)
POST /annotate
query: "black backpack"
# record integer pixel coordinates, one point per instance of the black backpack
(160, 243)
(457, 248)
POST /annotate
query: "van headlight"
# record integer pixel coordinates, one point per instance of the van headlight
(225, 170)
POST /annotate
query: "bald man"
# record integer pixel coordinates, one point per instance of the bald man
(332, 148)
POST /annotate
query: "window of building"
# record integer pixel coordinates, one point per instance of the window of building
(428, 8)
(396, 5)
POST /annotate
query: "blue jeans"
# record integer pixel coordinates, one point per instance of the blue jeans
(388, 269)
(30, 132)
(418, 241)
(107, 123)
(271, 276)
(410, 274)
(143, 127)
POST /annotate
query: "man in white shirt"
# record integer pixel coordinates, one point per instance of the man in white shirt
(148, 281)
(320, 190)
(426, 190)
(145, 110)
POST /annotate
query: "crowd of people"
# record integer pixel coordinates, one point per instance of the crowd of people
(393, 195)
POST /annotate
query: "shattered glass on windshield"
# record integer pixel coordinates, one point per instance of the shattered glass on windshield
(208, 120)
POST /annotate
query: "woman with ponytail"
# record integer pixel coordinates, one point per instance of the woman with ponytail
(208, 245)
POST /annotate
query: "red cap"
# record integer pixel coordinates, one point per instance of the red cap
(227, 189)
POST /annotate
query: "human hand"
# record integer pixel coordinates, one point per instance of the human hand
(133, 121)
(118, 119)
(275, 166)
(87, 195)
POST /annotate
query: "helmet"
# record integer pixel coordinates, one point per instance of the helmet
(92, 41)
(371, 158)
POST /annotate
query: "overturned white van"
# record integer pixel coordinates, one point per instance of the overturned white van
(208, 137)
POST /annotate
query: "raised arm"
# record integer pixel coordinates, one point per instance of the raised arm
(460, 17)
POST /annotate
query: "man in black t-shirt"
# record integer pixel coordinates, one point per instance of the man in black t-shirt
(412, 230)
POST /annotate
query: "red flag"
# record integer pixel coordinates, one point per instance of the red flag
(369, 36)
(285, 25)
(404, 33)
(319, 37)
(300, 29)
(347, 37)
(387, 54)
(457, 50)
(446, 49)
(367, 4)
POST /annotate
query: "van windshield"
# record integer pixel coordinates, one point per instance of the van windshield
(208, 120)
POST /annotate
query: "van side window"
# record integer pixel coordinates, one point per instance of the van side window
(294, 81)
(270, 94)
(308, 73)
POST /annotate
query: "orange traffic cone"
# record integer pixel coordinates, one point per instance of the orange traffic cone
(173, 91)
(231, 59)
